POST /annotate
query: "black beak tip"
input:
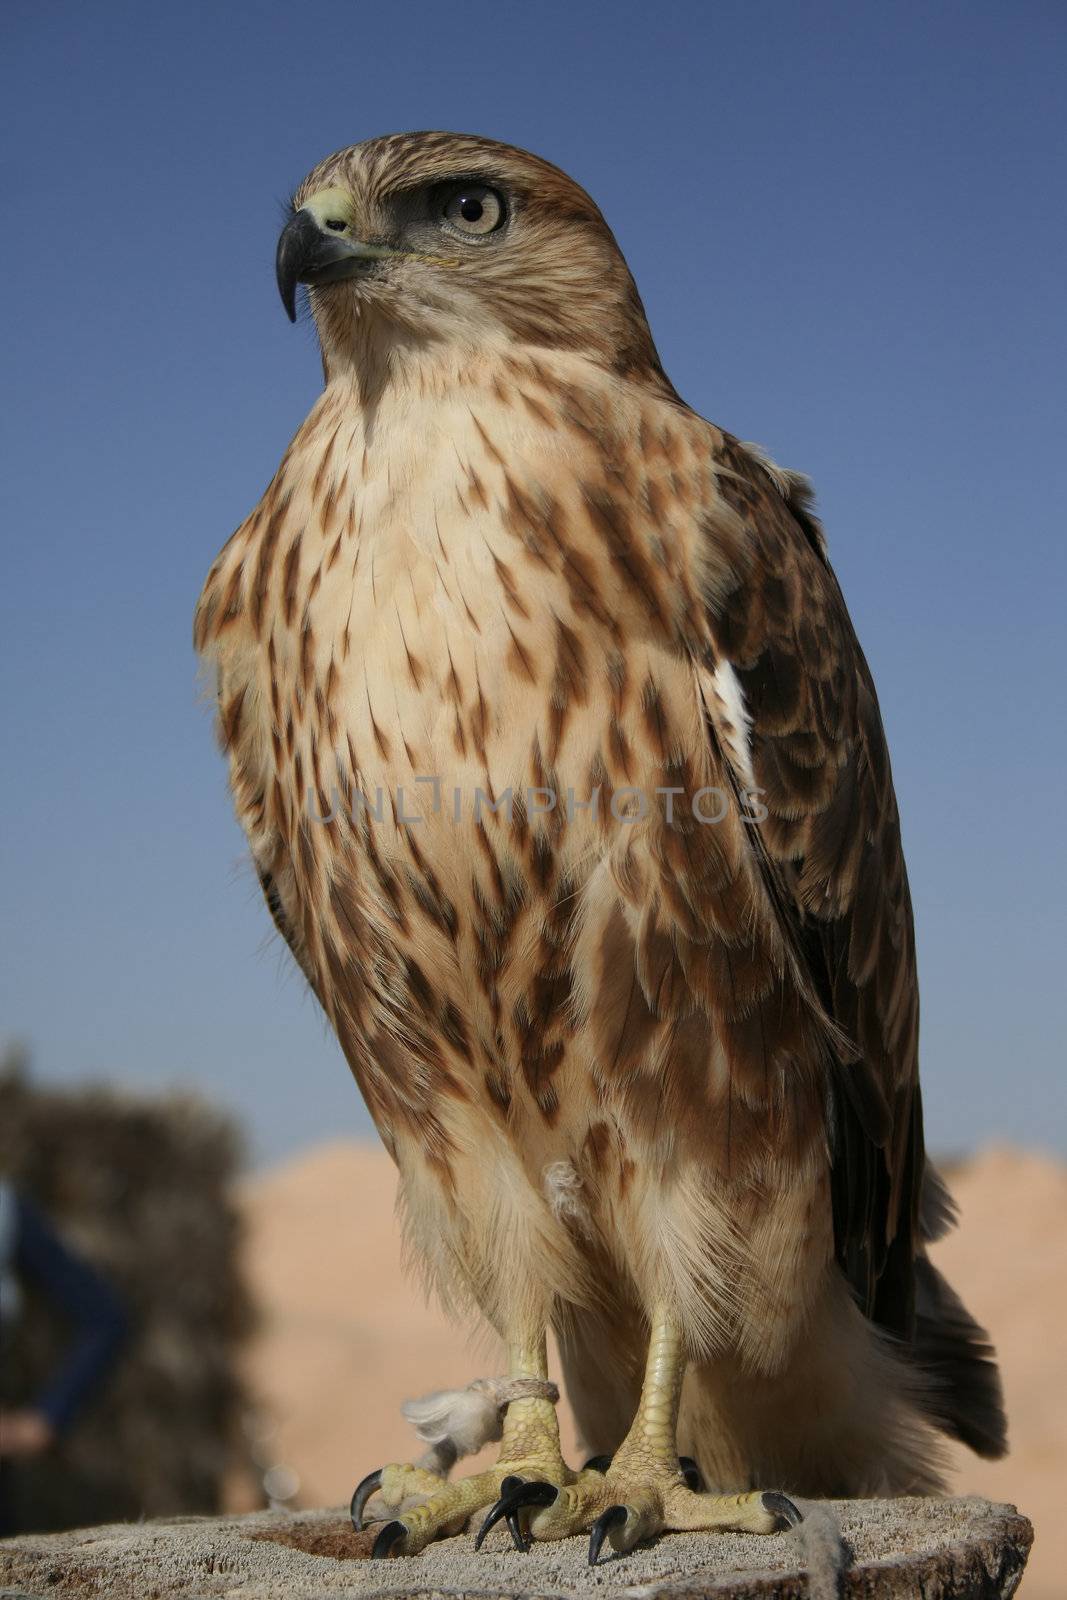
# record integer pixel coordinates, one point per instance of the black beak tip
(287, 282)
(297, 239)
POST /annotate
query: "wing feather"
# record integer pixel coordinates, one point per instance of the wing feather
(831, 862)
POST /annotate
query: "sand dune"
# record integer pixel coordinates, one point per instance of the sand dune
(1008, 1259)
(344, 1336)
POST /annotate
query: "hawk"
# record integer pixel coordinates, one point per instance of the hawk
(564, 777)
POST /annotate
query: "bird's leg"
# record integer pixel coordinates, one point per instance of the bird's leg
(644, 1490)
(531, 1427)
(529, 1472)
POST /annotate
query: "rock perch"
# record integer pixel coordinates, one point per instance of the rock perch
(908, 1549)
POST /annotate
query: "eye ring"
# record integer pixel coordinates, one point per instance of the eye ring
(473, 210)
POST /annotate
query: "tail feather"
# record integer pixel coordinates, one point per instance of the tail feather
(965, 1398)
(938, 1213)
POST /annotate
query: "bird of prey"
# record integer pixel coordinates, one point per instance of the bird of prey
(564, 777)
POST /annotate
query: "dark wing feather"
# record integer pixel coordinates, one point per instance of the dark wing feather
(830, 857)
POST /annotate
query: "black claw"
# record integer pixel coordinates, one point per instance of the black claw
(514, 1494)
(597, 1464)
(787, 1513)
(611, 1518)
(383, 1544)
(691, 1474)
(361, 1494)
(511, 1517)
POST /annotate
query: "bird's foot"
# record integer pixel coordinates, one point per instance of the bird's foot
(391, 1488)
(418, 1506)
(420, 1503)
(634, 1500)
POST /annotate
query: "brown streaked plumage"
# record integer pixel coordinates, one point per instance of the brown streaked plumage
(638, 1072)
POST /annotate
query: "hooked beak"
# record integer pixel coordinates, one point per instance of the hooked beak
(316, 247)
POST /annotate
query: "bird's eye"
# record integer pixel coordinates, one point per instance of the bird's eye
(471, 208)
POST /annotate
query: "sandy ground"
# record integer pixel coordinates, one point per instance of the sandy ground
(345, 1336)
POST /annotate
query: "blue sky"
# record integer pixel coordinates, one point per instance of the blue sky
(847, 223)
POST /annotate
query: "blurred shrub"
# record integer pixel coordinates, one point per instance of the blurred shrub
(142, 1189)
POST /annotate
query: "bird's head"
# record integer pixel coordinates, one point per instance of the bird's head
(427, 238)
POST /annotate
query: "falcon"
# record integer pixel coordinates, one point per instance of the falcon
(563, 774)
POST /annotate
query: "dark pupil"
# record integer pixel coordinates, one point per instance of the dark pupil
(471, 210)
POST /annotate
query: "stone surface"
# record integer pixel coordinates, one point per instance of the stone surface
(890, 1550)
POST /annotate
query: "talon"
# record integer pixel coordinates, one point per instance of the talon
(597, 1464)
(383, 1544)
(361, 1494)
(691, 1473)
(516, 1493)
(783, 1508)
(511, 1517)
(613, 1517)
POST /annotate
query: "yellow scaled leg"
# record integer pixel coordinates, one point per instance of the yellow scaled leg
(426, 1505)
(644, 1491)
